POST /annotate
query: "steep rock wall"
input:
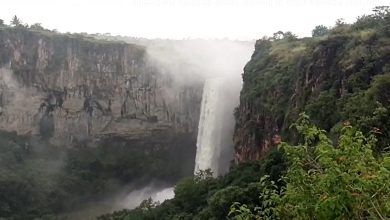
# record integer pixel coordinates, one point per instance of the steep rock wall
(71, 89)
(330, 78)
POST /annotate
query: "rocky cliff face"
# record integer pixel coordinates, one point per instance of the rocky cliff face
(71, 89)
(330, 78)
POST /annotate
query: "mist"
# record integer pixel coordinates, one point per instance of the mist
(190, 62)
(135, 197)
(129, 197)
(195, 61)
(186, 63)
(218, 66)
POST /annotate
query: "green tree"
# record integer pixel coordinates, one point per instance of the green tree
(319, 31)
(37, 26)
(220, 202)
(278, 35)
(327, 182)
(1, 22)
(289, 35)
(381, 11)
(191, 193)
(284, 35)
(16, 21)
(380, 89)
(340, 22)
(270, 199)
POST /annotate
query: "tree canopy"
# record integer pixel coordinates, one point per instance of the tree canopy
(16, 22)
(320, 31)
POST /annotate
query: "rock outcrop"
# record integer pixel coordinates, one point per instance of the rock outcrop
(330, 78)
(72, 89)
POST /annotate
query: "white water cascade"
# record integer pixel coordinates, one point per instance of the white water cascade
(216, 123)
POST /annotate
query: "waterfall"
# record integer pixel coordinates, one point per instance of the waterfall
(216, 123)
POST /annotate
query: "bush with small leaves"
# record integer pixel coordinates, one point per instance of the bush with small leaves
(327, 181)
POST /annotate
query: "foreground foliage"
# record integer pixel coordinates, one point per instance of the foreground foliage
(324, 181)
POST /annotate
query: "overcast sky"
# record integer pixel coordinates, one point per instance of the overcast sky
(233, 19)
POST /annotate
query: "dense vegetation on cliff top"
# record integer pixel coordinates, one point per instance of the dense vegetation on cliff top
(340, 77)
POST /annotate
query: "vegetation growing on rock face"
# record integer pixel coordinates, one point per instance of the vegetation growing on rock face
(333, 76)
